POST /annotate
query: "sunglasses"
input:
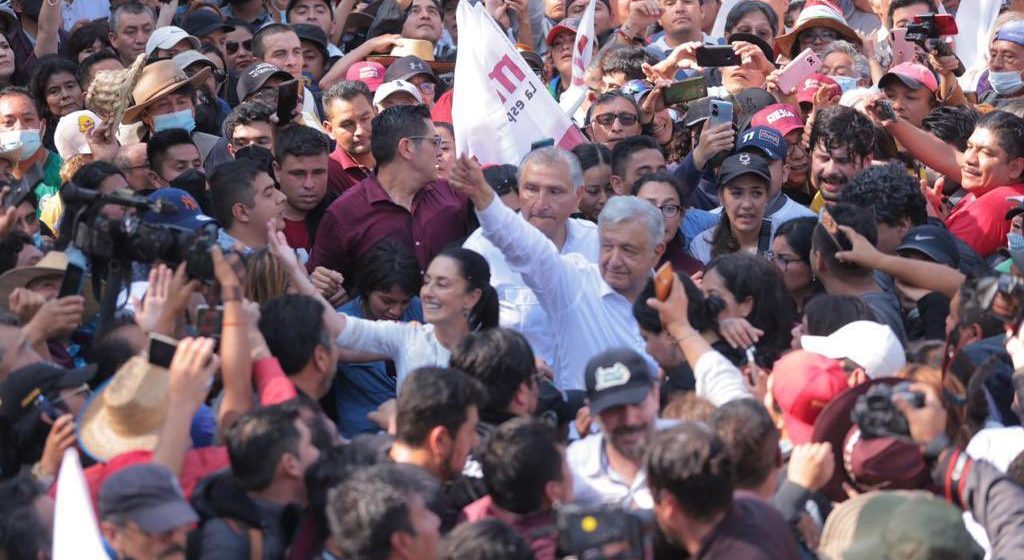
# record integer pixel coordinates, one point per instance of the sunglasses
(627, 119)
(232, 46)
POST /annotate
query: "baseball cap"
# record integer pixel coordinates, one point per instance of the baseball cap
(913, 525)
(149, 496)
(637, 89)
(766, 140)
(810, 86)
(889, 463)
(185, 59)
(802, 385)
(697, 111)
(70, 135)
(255, 76)
(567, 25)
(782, 117)
(912, 75)
(407, 67)
(370, 73)
(934, 241)
(18, 393)
(182, 209)
(617, 377)
(167, 37)
(747, 102)
(744, 163)
(1012, 32)
(203, 22)
(388, 88)
(313, 34)
(873, 346)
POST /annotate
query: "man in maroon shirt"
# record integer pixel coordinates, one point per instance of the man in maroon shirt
(300, 167)
(403, 201)
(349, 109)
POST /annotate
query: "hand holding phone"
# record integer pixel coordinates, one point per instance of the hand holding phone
(663, 281)
(288, 96)
(832, 229)
(686, 90)
(885, 110)
(798, 70)
(161, 350)
(720, 112)
(717, 56)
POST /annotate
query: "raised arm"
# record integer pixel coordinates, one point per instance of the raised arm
(926, 147)
(50, 20)
(931, 276)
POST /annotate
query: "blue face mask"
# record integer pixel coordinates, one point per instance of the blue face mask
(1005, 83)
(29, 140)
(182, 119)
(37, 240)
(1015, 243)
(846, 83)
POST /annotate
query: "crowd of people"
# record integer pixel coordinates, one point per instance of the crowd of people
(250, 284)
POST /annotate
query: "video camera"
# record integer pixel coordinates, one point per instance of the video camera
(928, 30)
(604, 532)
(111, 245)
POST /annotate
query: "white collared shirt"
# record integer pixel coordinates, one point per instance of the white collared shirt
(593, 480)
(410, 345)
(520, 309)
(587, 316)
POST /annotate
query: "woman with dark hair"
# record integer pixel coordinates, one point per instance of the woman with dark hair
(55, 87)
(825, 314)
(665, 191)
(87, 39)
(503, 179)
(385, 290)
(753, 17)
(8, 62)
(596, 161)
(791, 253)
(757, 310)
(744, 197)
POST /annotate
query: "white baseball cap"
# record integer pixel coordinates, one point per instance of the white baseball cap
(873, 346)
(388, 88)
(166, 37)
(70, 134)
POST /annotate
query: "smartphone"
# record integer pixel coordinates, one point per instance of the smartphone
(944, 23)
(720, 112)
(885, 110)
(49, 409)
(713, 56)
(17, 193)
(832, 229)
(161, 350)
(73, 282)
(288, 96)
(208, 320)
(902, 49)
(798, 70)
(663, 281)
(686, 90)
(542, 143)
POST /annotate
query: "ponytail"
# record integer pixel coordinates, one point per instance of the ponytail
(484, 314)
(724, 242)
(477, 273)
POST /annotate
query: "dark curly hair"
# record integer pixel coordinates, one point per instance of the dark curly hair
(843, 127)
(952, 125)
(889, 192)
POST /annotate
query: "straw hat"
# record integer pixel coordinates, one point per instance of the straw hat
(126, 414)
(53, 263)
(817, 13)
(157, 80)
(422, 49)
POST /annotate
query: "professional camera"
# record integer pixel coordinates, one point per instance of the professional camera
(604, 532)
(877, 416)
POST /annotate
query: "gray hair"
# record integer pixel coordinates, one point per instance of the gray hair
(620, 209)
(860, 62)
(553, 155)
(131, 7)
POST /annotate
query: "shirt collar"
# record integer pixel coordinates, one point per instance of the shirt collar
(346, 161)
(375, 191)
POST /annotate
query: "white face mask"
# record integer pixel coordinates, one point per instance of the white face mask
(1005, 83)
(29, 141)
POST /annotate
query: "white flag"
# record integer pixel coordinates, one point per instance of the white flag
(75, 533)
(499, 106)
(582, 54)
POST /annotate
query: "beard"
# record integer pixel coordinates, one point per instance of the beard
(632, 450)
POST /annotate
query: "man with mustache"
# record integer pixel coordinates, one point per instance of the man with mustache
(842, 143)
(144, 513)
(607, 467)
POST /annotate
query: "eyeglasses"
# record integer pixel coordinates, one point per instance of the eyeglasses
(427, 87)
(434, 140)
(232, 46)
(670, 210)
(781, 261)
(819, 34)
(627, 119)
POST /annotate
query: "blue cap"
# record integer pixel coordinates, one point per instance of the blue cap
(766, 140)
(1012, 32)
(636, 89)
(182, 210)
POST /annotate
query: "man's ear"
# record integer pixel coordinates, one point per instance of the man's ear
(240, 212)
(817, 263)
(155, 180)
(321, 358)
(616, 183)
(1017, 166)
(290, 465)
(277, 168)
(438, 441)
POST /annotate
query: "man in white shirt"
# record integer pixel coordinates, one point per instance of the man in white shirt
(589, 305)
(607, 467)
(550, 187)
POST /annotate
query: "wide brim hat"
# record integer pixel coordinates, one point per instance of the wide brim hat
(422, 49)
(127, 412)
(53, 263)
(819, 15)
(159, 79)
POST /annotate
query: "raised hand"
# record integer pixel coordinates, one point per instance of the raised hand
(149, 309)
(191, 371)
(330, 285)
(862, 252)
(468, 178)
(811, 465)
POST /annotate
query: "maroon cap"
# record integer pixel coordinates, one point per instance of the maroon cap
(886, 463)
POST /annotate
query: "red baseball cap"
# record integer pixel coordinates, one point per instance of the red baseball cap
(781, 117)
(370, 73)
(912, 75)
(802, 384)
(811, 85)
(567, 25)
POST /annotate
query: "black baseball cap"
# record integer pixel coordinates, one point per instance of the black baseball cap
(313, 34)
(743, 163)
(617, 377)
(253, 78)
(18, 393)
(936, 242)
(203, 22)
(1019, 209)
(149, 496)
(407, 67)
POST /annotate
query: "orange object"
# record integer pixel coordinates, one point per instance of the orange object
(663, 281)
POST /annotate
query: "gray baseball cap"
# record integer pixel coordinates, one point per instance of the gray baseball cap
(149, 496)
